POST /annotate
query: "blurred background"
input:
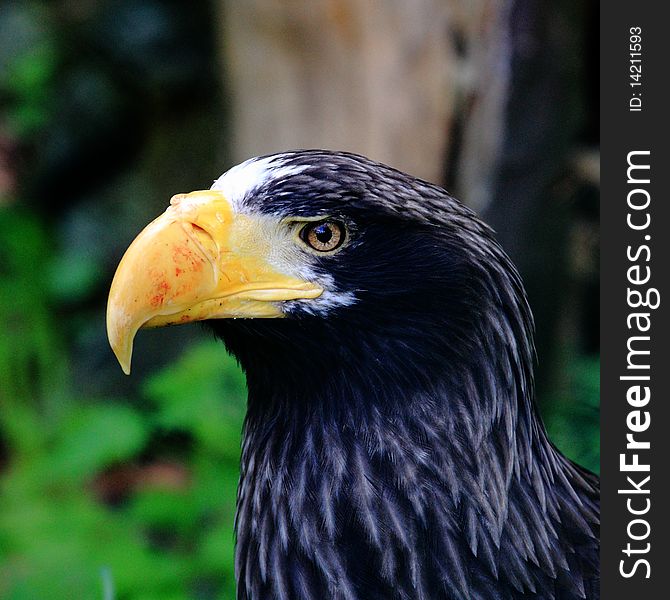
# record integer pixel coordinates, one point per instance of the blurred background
(123, 488)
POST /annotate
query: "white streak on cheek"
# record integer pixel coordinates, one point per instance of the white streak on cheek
(329, 300)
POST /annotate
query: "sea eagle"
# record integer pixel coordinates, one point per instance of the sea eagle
(392, 449)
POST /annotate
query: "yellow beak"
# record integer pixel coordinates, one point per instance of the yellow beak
(199, 260)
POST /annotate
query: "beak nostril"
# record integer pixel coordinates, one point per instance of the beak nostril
(202, 238)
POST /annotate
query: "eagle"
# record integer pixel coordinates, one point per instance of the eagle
(392, 449)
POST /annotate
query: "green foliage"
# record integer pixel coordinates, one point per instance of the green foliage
(167, 539)
(573, 423)
(170, 533)
(28, 60)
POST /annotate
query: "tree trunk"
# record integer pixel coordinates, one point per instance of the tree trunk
(387, 80)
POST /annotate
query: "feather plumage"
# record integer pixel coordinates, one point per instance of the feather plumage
(392, 449)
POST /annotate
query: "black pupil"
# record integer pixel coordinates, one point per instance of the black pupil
(323, 233)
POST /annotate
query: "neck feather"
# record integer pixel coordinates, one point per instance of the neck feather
(460, 459)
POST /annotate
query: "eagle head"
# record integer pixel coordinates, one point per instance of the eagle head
(316, 256)
(391, 447)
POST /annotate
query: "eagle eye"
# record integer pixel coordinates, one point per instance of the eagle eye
(323, 236)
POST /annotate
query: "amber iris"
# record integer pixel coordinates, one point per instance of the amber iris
(323, 236)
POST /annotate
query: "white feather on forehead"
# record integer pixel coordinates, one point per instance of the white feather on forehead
(241, 179)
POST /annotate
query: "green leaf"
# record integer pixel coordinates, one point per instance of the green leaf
(94, 437)
(203, 393)
(73, 276)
